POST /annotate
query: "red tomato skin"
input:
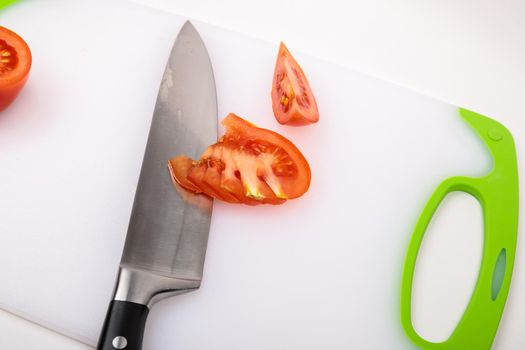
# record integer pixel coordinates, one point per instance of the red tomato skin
(9, 94)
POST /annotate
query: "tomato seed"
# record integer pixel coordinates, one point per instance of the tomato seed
(8, 56)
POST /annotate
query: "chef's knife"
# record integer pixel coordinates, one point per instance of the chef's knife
(497, 193)
(167, 235)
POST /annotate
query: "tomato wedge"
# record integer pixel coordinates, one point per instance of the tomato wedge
(293, 102)
(247, 165)
(15, 62)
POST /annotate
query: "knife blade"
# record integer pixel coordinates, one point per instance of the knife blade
(167, 234)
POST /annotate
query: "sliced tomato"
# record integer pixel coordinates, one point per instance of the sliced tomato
(15, 63)
(293, 102)
(179, 169)
(247, 165)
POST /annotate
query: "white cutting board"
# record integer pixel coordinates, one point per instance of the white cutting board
(320, 272)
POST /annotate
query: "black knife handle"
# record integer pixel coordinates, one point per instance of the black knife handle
(124, 326)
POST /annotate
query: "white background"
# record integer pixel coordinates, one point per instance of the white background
(468, 53)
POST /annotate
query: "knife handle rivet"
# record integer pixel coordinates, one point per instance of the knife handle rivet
(495, 134)
(119, 342)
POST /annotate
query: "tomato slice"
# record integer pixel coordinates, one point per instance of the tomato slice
(179, 168)
(293, 101)
(247, 165)
(15, 63)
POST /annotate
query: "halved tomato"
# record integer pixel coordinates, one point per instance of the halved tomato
(247, 165)
(15, 62)
(293, 102)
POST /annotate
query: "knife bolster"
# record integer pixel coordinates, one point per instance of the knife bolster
(147, 288)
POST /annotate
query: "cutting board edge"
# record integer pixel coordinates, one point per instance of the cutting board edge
(46, 324)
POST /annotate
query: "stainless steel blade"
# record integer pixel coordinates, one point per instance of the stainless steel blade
(168, 234)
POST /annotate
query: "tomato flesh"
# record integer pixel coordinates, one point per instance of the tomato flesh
(247, 165)
(15, 63)
(293, 101)
(8, 57)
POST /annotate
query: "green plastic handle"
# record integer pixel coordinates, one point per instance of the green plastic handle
(5, 3)
(497, 193)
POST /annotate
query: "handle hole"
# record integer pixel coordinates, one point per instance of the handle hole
(499, 273)
(447, 266)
